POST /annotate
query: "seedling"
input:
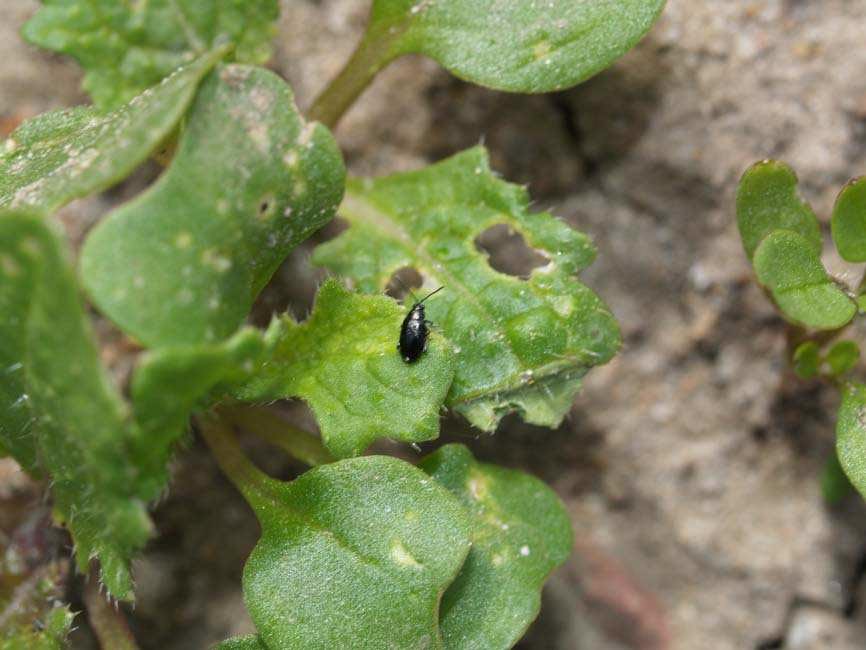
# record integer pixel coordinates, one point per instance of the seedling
(782, 237)
(359, 551)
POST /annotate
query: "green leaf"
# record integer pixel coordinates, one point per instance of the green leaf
(343, 361)
(851, 434)
(183, 262)
(788, 265)
(242, 643)
(58, 396)
(64, 155)
(849, 221)
(842, 357)
(126, 47)
(521, 345)
(807, 360)
(835, 485)
(50, 635)
(172, 382)
(521, 45)
(355, 554)
(520, 533)
(767, 200)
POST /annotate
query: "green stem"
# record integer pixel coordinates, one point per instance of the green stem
(373, 53)
(108, 623)
(270, 427)
(250, 481)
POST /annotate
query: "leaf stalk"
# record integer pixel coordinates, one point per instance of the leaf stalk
(371, 55)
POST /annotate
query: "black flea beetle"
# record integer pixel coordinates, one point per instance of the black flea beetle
(413, 332)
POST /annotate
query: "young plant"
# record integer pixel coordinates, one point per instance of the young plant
(782, 238)
(360, 551)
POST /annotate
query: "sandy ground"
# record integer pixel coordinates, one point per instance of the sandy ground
(690, 464)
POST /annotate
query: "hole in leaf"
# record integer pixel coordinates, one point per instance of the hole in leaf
(267, 205)
(507, 251)
(403, 281)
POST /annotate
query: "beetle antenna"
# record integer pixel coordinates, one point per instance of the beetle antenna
(430, 294)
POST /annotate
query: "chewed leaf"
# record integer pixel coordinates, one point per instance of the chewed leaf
(767, 200)
(521, 345)
(849, 221)
(60, 406)
(170, 383)
(64, 155)
(125, 47)
(355, 554)
(343, 361)
(788, 265)
(183, 262)
(520, 533)
(851, 434)
(521, 45)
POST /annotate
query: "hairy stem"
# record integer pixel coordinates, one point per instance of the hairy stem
(372, 54)
(109, 624)
(270, 427)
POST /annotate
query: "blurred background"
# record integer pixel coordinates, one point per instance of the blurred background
(690, 464)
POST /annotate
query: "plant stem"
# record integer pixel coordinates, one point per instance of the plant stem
(372, 54)
(250, 481)
(269, 426)
(109, 624)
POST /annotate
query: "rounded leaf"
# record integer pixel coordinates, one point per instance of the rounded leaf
(851, 434)
(767, 200)
(520, 533)
(355, 554)
(842, 357)
(807, 359)
(183, 262)
(520, 45)
(788, 265)
(849, 221)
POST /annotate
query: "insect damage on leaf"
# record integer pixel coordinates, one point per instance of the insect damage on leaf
(125, 47)
(63, 155)
(342, 360)
(521, 345)
(183, 262)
